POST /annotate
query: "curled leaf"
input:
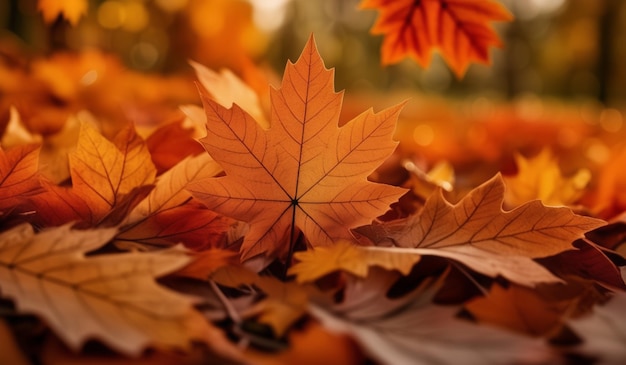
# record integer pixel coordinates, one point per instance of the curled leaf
(477, 232)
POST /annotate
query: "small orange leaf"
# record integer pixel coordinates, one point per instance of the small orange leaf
(344, 255)
(532, 230)
(423, 184)
(460, 29)
(520, 309)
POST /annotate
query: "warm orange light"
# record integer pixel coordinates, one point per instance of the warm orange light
(111, 14)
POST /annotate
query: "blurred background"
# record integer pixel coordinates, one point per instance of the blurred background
(574, 50)
(559, 82)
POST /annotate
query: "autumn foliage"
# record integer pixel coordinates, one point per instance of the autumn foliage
(459, 29)
(235, 233)
(304, 174)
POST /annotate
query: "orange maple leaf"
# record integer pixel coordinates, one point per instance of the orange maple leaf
(71, 10)
(18, 175)
(304, 173)
(460, 29)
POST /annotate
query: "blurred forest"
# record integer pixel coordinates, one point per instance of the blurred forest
(559, 81)
(573, 50)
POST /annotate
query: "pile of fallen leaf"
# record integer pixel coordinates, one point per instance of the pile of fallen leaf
(292, 234)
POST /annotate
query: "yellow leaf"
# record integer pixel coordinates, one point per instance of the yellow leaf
(540, 178)
(344, 255)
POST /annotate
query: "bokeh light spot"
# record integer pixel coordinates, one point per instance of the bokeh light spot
(111, 14)
(423, 135)
(611, 120)
(144, 55)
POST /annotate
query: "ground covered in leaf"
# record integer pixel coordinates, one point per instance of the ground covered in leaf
(296, 227)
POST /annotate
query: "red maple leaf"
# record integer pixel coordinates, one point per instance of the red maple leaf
(460, 29)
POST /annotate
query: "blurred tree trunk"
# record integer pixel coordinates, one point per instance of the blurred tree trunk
(12, 16)
(511, 72)
(608, 20)
(514, 37)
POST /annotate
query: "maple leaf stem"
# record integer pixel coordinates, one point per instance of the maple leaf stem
(294, 236)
